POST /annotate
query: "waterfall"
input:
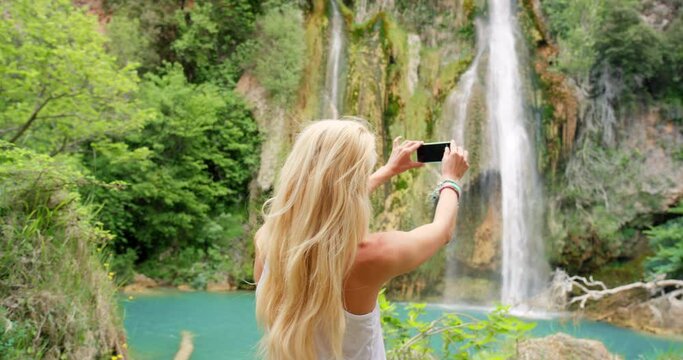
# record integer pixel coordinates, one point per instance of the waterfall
(458, 101)
(332, 96)
(522, 250)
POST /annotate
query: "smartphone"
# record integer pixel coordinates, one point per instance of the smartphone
(431, 152)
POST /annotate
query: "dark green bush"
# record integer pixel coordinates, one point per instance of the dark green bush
(190, 163)
(666, 241)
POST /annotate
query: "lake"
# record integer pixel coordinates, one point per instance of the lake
(224, 327)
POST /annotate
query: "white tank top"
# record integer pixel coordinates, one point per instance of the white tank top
(363, 338)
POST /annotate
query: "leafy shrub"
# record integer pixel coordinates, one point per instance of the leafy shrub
(462, 335)
(224, 256)
(667, 242)
(281, 47)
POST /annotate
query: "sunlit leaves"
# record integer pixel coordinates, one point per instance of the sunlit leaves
(59, 87)
(462, 335)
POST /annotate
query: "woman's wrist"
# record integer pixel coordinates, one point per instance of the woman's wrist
(449, 177)
(380, 176)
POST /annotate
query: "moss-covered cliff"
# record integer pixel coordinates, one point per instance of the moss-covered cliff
(609, 153)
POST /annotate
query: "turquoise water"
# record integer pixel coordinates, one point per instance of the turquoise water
(224, 327)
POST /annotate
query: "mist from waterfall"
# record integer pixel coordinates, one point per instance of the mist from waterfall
(332, 97)
(522, 248)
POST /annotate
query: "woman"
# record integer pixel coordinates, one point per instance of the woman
(319, 270)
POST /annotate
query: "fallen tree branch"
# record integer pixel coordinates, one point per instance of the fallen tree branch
(596, 290)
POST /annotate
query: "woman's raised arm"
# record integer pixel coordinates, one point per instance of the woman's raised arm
(404, 251)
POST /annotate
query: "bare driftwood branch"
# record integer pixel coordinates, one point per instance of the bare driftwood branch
(596, 290)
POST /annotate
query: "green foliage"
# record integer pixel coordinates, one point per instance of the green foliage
(462, 335)
(670, 75)
(597, 208)
(227, 257)
(209, 33)
(128, 44)
(123, 266)
(157, 28)
(667, 242)
(190, 163)
(592, 34)
(628, 44)
(575, 24)
(16, 338)
(280, 49)
(59, 87)
(56, 299)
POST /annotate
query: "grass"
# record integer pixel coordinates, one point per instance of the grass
(57, 298)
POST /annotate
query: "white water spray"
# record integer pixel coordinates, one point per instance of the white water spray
(523, 258)
(334, 63)
(458, 101)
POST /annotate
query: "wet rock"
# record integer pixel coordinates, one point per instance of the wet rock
(662, 315)
(140, 284)
(271, 120)
(185, 287)
(561, 346)
(486, 242)
(220, 287)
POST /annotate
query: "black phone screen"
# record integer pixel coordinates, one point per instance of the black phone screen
(431, 152)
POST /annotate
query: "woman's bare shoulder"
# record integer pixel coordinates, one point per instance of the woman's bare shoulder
(374, 257)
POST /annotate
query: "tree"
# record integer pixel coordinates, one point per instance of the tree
(627, 43)
(190, 163)
(59, 87)
(210, 34)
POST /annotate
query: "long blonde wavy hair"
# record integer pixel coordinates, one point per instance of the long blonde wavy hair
(313, 225)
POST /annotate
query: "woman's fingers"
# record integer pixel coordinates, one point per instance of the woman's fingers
(414, 146)
(397, 141)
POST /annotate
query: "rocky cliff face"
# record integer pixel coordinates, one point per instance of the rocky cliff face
(608, 168)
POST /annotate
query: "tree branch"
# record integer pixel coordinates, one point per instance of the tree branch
(34, 115)
(587, 286)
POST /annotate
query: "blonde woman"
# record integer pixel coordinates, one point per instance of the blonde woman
(319, 270)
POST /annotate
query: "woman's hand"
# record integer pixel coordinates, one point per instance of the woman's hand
(399, 161)
(454, 163)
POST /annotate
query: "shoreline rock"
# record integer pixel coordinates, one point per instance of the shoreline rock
(659, 316)
(141, 285)
(561, 346)
(145, 285)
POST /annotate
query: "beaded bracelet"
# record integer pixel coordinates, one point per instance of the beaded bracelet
(449, 186)
(434, 196)
(452, 182)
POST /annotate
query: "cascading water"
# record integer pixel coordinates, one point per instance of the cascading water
(458, 101)
(503, 199)
(522, 260)
(332, 96)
